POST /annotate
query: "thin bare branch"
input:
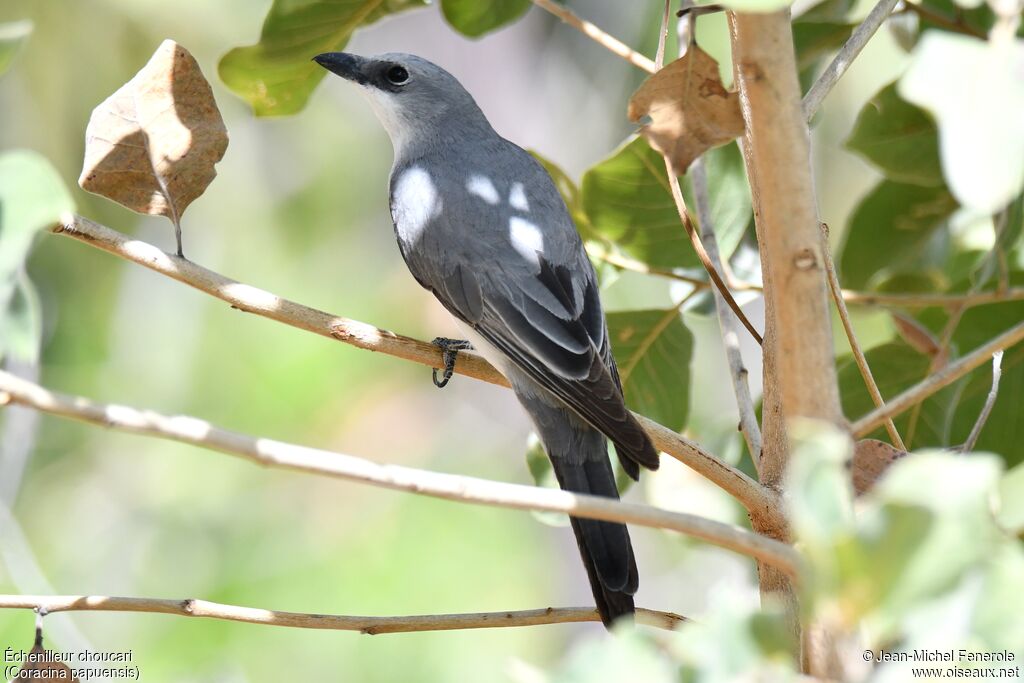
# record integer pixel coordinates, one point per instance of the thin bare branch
(250, 299)
(702, 254)
(828, 79)
(610, 43)
(449, 486)
(726, 319)
(937, 381)
(948, 301)
(858, 353)
(990, 401)
(932, 16)
(191, 607)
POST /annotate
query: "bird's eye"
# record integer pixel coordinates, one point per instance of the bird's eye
(397, 75)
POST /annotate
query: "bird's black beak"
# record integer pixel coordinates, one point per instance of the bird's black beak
(349, 67)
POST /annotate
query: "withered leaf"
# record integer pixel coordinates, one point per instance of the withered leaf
(152, 145)
(871, 458)
(690, 109)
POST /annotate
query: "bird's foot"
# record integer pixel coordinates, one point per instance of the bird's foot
(450, 350)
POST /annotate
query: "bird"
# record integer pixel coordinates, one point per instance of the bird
(481, 225)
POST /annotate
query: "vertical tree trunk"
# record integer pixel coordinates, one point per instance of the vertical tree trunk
(799, 368)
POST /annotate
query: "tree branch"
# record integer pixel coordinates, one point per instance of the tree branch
(858, 354)
(990, 400)
(937, 381)
(250, 299)
(834, 71)
(691, 232)
(727, 321)
(449, 486)
(191, 607)
(610, 43)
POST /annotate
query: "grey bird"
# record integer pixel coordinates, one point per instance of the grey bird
(481, 225)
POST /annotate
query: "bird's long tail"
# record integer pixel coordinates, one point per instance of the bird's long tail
(604, 546)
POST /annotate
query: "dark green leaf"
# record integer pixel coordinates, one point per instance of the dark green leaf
(816, 39)
(896, 228)
(12, 35)
(276, 75)
(477, 17)
(899, 138)
(628, 202)
(1004, 431)
(897, 366)
(834, 11)
(652, 349)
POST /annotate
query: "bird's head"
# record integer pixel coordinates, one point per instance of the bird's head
(412, 97)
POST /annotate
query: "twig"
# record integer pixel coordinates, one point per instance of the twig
(863, 33)
(449, 486)
(726, 320)
(939, 19)
(702, 254)
(752, 495)
(191, 607)
(937, 381)
(882, 299)
(606, 41)
(659, 57)
(858, 354)
(948, 301)
(997, 371)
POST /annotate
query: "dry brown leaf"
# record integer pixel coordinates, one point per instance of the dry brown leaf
(916, 335)
(871, 458)
(152, 145)
(690, 109)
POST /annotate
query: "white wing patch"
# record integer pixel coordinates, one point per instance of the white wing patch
(416, 202)
(482, 187)
(517, 197)
(526, 238)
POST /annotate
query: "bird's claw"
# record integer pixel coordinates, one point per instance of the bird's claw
(449, 351)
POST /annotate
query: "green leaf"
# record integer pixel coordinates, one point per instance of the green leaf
(32, 197)
(1004, 431)
(898, 138)
(21, 323)
(653, 349)
(896, 228)
(628, 202)
(896, 366)
(276, 75)
(974, 90)
(12, 35)
(729, 196)
(477, 17)
(829, 11)
(814, 40)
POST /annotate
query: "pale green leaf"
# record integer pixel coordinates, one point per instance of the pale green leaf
(13, 35)
(276, 75)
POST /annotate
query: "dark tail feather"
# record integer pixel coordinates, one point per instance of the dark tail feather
(604, 546)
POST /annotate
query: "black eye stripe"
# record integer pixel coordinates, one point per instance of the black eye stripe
(396, 75)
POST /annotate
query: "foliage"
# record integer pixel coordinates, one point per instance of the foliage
(931, 555)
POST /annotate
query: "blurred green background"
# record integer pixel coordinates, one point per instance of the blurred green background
(299, 208)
